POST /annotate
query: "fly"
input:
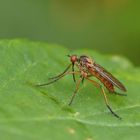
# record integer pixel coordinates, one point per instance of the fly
(88, 68)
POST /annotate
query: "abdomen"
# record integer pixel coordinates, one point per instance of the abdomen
(103, 80)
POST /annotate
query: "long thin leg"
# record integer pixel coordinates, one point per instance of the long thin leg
(77, 87)
(73, 73)
(120, 94)
(55, 80)
(83, 80)
(112, 91)
(105, 97)
(61, 73)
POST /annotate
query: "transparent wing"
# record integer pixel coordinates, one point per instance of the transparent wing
(109, 76)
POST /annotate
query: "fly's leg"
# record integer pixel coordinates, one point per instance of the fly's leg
(83, 80)
(73, 73)
(55, 80)
(61, 73)
(76, 90)
(120, 94)
(65, 72)
(105, 97)
(112, 91)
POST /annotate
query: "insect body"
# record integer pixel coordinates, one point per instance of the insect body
(103, 75)
(88, 68)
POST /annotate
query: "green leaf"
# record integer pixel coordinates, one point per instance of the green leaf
(38, 113)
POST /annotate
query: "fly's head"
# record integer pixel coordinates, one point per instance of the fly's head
(73, 58)
(83, 61)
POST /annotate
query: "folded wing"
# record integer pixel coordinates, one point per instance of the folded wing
(109, 76)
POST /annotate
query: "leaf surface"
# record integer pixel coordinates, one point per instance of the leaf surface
(35, 113)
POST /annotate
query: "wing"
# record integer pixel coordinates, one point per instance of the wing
(109, 76)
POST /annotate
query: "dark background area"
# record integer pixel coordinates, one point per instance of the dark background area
(108, 26)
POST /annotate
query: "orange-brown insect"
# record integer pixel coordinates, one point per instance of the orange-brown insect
(87, 68)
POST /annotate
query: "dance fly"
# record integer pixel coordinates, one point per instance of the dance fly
(88, 68)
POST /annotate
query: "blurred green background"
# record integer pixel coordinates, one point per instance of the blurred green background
(108, 26)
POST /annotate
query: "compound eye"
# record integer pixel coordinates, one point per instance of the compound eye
(74, 58)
